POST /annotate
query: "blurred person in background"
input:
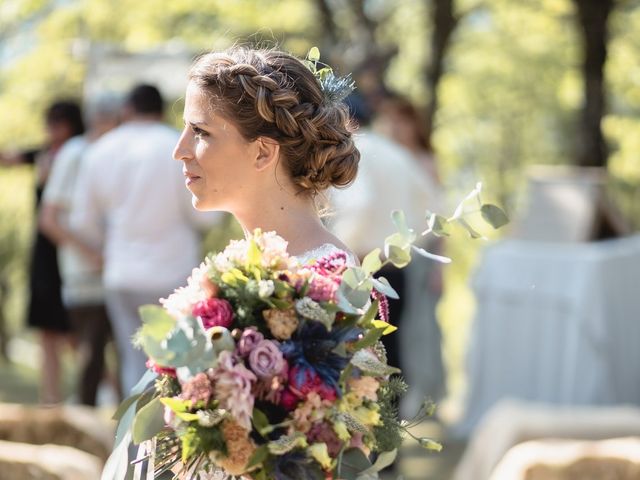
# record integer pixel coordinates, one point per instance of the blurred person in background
(390, 178)
(80, 262)
(399, 120)
(131, 199)
(46, 311)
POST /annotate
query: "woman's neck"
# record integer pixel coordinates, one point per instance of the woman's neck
(294, 218)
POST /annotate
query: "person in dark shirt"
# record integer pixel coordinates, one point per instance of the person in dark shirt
(46, 310)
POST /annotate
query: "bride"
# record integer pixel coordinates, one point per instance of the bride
(262, 140)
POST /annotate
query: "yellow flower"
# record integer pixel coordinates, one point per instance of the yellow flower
(367, 415)
(320, 453)
(282, 323)
(341, 430)
(349, 402)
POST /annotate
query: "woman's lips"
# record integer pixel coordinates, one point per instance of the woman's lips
(190, 178)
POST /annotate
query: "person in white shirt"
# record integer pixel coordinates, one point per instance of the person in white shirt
(389, 178)
(131, 198)
(80, 263)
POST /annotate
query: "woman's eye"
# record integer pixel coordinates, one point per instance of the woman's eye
(199, 132)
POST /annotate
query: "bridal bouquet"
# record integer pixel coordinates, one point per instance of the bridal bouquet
(266, 368)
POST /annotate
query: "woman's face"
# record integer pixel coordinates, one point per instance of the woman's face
(217, 160)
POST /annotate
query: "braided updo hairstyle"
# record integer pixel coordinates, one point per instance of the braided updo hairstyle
(268, 93)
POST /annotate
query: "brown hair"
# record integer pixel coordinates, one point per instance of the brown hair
(268, 93)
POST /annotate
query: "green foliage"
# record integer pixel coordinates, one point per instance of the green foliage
(198, 440)
(390, 433)
(148, 421)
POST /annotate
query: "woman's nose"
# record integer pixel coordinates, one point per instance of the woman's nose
(182, 150)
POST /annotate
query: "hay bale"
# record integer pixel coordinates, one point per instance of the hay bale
(83, 428)
(23, 461)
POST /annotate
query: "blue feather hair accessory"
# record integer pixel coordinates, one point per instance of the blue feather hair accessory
(334, 87)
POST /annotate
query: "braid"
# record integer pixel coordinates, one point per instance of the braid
(273, 94)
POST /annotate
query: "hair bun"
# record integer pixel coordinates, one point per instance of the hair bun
(273, 94)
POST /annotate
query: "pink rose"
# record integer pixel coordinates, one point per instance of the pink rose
(249, 338)
(310, 382)
(214, 312)
(266, 360)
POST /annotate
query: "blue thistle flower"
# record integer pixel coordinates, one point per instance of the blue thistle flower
(313, 347)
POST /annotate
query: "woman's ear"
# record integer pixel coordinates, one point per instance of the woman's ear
(267, 154)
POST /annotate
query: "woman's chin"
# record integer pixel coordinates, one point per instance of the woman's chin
(205, 205)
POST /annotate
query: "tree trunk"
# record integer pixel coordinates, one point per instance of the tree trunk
(592, 17)
(444, 23)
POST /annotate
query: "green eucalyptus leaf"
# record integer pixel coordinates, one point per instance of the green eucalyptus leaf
(370, 314)
(156, 321)
(260, 421)
(399, 257)
(438, 225)
(383, 286)
(370, 338)
(118, 462)
(351, 463)
(494, 215)
(383, 461)
(475, 193)
(314, 54)
(371, 262)
(356, 286)
(344, 304)
(148, 395)
(148, 422)
(190, 346)
(124, 406)
(400, 222)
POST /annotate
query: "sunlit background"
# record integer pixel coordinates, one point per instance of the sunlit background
(501, 84)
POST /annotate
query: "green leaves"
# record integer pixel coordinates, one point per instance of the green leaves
(260, 422)
(314, 54)
(371, 263)
(171, 343)
(437, 225)
(494, 215)
(148, 422)
(156, 322)
(383, 461)
(351, 463)
(356, 287)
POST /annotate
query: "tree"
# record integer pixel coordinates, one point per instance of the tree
(592, 17)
